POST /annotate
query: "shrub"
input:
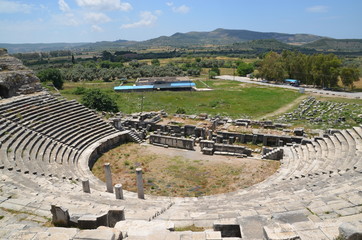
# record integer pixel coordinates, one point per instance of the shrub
(180, 111)
(95, 99)
(52, 75)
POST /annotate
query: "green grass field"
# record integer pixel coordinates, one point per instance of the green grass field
(227, 99)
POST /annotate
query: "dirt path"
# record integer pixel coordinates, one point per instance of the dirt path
(285, 108)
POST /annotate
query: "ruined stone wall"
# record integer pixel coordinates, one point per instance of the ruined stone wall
(15, 78)
(105, 145)
(173, 142)
(265, 139)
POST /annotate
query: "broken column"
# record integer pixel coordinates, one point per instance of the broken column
(107, 171)
(118, 191)
(85, 184)
(140, 191)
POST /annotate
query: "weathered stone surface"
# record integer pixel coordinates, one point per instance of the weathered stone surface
(60, 216)
(102, 234)
(87, 222)
(15, 78)
(351, 231)
(290, 217)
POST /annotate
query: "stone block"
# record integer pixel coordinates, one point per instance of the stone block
(103, 234)
(87, 222)
(60, 216)
(102, 220)
(114, 216)
(351, 230)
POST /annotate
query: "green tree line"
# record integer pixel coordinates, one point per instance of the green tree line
(322, 70)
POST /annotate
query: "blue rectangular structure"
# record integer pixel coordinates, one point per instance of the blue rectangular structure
(172, 86)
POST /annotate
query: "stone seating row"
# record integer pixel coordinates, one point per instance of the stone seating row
(335, 153)
(48, 140)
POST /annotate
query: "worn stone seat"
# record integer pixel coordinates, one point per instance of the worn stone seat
(20, 112)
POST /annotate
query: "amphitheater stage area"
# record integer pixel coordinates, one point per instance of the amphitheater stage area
(48, 144)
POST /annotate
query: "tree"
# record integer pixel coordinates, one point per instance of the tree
(349, 75)
(107, 56)
(272, 67)
(51, 75)
(244, 68)
(325, 69)
(95, 99)
(155, 62)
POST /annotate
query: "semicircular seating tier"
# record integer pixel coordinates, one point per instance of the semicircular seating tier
(47, 144)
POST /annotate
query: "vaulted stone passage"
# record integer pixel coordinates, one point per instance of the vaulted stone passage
(4, 92)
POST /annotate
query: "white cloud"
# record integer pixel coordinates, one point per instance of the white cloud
(95, 17)
(180, 9)
(317, 9)
(63, 6)
(147, 19)
(96, 28)
(14, 7)
(105, 4)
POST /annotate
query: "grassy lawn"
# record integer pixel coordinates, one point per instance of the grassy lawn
(227, 99)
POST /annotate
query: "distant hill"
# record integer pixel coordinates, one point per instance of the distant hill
(262, 44)
(38, 47)
(227, 38)
(105, 45)
(224, 37)
(327, 44)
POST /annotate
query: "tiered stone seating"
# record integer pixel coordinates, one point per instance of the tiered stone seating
(45, 147)
(45, 136)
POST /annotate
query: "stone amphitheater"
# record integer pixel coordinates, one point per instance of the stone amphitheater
(47, 145)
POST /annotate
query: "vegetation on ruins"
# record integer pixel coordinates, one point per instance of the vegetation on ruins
(325, 113)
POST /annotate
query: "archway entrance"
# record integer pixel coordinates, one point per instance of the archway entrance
(4, 92)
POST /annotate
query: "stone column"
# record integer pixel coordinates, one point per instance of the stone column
(107, 171)
(119, 191)
(242, 138)
(255, 138)
(265, 140)
(85, 184)
(140, 191)
(209, 135)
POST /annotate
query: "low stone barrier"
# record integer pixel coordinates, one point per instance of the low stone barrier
(61, 218)
(172, 142)
(210, 147)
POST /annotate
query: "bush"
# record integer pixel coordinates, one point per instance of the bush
(180, 111)
(52, 75)
(79, 91)
(95, 99)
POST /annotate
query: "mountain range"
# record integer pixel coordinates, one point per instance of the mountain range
(218, 37)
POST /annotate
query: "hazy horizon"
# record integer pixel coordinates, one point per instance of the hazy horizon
(74, 21)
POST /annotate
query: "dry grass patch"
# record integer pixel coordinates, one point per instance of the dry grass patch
(168, 174)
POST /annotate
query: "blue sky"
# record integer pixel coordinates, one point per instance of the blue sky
(45, 21)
